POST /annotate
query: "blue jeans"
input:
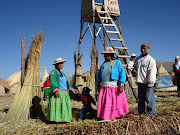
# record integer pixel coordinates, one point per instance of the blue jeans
(87, 108)
(144, 95)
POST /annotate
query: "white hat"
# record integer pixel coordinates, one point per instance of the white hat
(177, 57)
(108, 50)
(58, 60)
(133, 55)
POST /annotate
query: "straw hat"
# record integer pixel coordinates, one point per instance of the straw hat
(58, 60)
(177, 57)
(133, 55)
(108, 50)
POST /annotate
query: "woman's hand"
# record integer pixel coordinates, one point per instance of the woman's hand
(121, 90)
(57, 94)
(121, 87)
(75, 91)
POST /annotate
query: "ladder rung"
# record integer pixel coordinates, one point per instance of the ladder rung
(123, 56)
(109, 24)
(123, 48)
(105, 17)
(135, 87)
(116, 39)
(129, 76)
(112, 31)
(124, 65)
(102, 12)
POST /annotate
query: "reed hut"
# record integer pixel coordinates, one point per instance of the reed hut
(44, 77)
(13, 82)
(162, 71)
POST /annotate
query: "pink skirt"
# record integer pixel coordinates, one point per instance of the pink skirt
(111, 103)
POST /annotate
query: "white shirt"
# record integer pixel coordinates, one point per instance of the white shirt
(146, 70)
(177, 65)
(130, 65)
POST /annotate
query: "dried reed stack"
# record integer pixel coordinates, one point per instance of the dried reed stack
(93, 70)
(78, 72)
(20, 108)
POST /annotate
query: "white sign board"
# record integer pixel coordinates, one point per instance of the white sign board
(112, 6)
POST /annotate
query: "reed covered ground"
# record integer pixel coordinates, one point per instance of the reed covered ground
(167, 121)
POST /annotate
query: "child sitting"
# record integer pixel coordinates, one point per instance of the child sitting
(87, 100)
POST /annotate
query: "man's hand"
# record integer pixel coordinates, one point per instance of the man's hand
(57, 94)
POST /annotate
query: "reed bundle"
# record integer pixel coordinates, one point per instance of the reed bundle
(93, 70)
(78, 81)
(20, 107)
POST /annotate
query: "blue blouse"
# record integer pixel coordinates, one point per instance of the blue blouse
(106, 74)
(63, 83)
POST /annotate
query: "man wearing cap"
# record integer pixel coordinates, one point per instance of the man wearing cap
(176, 68)
(145, 70)
(131, 62)
(110, 79)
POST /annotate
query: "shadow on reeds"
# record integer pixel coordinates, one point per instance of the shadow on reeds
(76, 113)
(36, 110)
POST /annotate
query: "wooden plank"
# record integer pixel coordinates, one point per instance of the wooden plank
(112, 32)
(123, 48)
(105, 17)
(129, 76)
(112, 7)
(102, 12)
(4, 83)
(116, 39)
(109, 24)
(124, 56)
(135, 87)
(22, 60)
(124, 65)
(86, 7)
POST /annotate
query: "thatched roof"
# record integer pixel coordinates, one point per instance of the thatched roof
(45, 76)
(168, 66)
(14, 78)
(162, 71)
(86, 73)
(4, 83)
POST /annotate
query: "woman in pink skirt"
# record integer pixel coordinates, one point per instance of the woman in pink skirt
(111, 77)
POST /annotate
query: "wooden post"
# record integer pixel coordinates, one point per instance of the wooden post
(94, 29)
(80, 39)
(22, 60)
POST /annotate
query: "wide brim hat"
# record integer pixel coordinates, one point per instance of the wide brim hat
(133, 55)
(177, 57)
(108, 50)
(58, 60)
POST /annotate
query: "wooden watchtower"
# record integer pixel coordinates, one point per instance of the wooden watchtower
(106, 15)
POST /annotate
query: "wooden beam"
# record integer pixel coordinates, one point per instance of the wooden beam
(4, 83)
(22, 60)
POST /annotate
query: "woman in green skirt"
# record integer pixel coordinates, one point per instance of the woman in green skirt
(59, 103)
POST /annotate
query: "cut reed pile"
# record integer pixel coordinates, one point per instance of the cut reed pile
(20, 108)
(129, 124)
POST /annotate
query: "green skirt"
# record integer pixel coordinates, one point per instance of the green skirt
(59, 109)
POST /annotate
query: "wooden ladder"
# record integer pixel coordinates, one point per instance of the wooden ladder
(123, 54)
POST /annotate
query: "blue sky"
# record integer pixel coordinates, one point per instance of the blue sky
(153, 21)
